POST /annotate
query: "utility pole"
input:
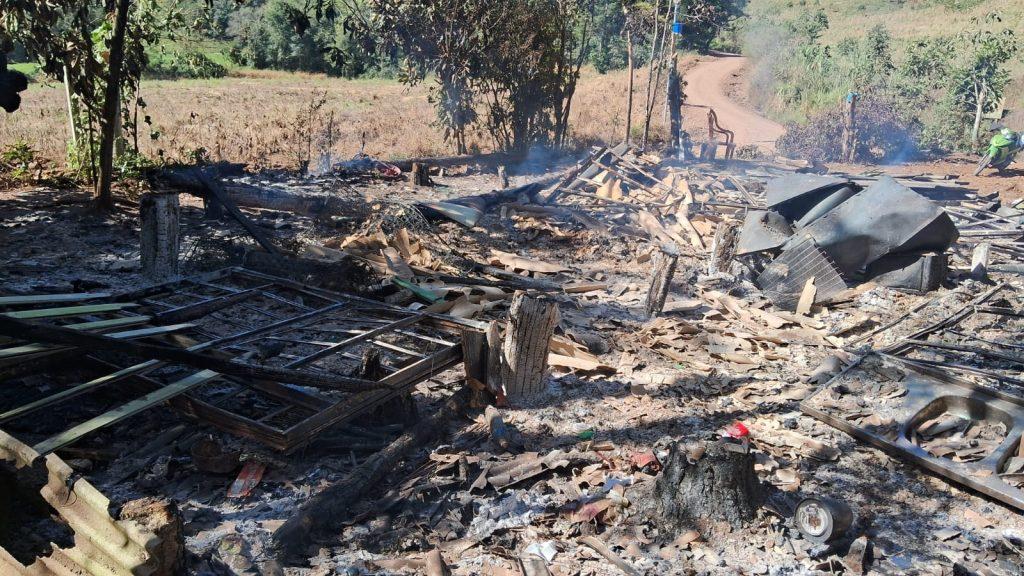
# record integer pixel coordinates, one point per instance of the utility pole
(629, 62)
(674, 97)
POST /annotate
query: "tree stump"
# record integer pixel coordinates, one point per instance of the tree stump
(723, 248)
(721, 486)
(163, 518)
(979, 261)
(420, 174)
(159, 242)
(665, 261)
(503, 177)
(524, 355)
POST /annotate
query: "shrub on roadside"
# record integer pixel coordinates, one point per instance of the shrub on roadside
(921, 95)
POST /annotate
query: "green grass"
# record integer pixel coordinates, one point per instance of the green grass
(29, 69)
(216, 50)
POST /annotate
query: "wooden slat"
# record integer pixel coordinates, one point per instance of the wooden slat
(354, 340)
(50, 298)
(112, 323)
(204, 308)
(96, 325)
(125, 411)
(151, 365)
(393, 386)
(14, 351)
(67, 311)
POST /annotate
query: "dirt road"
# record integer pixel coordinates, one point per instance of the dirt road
(707, 84)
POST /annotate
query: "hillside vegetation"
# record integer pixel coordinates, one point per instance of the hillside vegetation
(905, 19)
(915, 63)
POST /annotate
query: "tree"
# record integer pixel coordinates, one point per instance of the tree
(517, 61)
(981, 78)
(99, 51)
(111, 103)
(704, 20)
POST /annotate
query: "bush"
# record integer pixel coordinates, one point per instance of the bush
(882, 136)
(922, 97)
(281, 35)
(185, 64)
(17, 161)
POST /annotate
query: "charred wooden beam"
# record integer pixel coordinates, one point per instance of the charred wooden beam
(331, 505)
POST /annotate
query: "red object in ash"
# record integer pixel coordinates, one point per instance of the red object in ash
(646, 461)
(247, 480)
(736, 430)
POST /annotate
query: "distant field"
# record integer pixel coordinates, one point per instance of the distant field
(27, 68)
(264, 118)
(906, 20)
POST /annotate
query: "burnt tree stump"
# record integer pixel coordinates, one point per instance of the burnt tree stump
(524, 354)
(159, 241)
(723, 248)
(420, 174)
(720, 486)
(665, 261)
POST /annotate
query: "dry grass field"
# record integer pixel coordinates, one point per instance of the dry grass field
(275, 119)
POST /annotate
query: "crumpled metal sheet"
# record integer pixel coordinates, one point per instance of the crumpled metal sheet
(828, 203)
(887, 218)
(103, 546)
(762, 230)
(794, 194)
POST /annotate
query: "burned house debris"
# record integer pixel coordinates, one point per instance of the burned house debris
(830, 232)
(626, 364)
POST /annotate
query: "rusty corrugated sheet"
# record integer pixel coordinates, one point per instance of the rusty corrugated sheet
(103, 546)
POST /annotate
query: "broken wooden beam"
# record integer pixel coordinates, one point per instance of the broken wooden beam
(979, 261)
(206, 181)
(723, 248)
(216, 189)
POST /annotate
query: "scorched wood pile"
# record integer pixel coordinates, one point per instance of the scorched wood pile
(628, 364)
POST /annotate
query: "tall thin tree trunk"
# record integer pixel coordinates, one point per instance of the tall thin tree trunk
(979, 108)
(650, 69)
(629, 101)
(653, 97)
(111, 105)
(71, 108)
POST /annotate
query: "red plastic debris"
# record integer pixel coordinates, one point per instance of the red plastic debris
(247, 480)
(736, 430)
(645, 461)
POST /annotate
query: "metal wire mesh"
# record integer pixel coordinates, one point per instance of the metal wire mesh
(395, 216)
(784, 278)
